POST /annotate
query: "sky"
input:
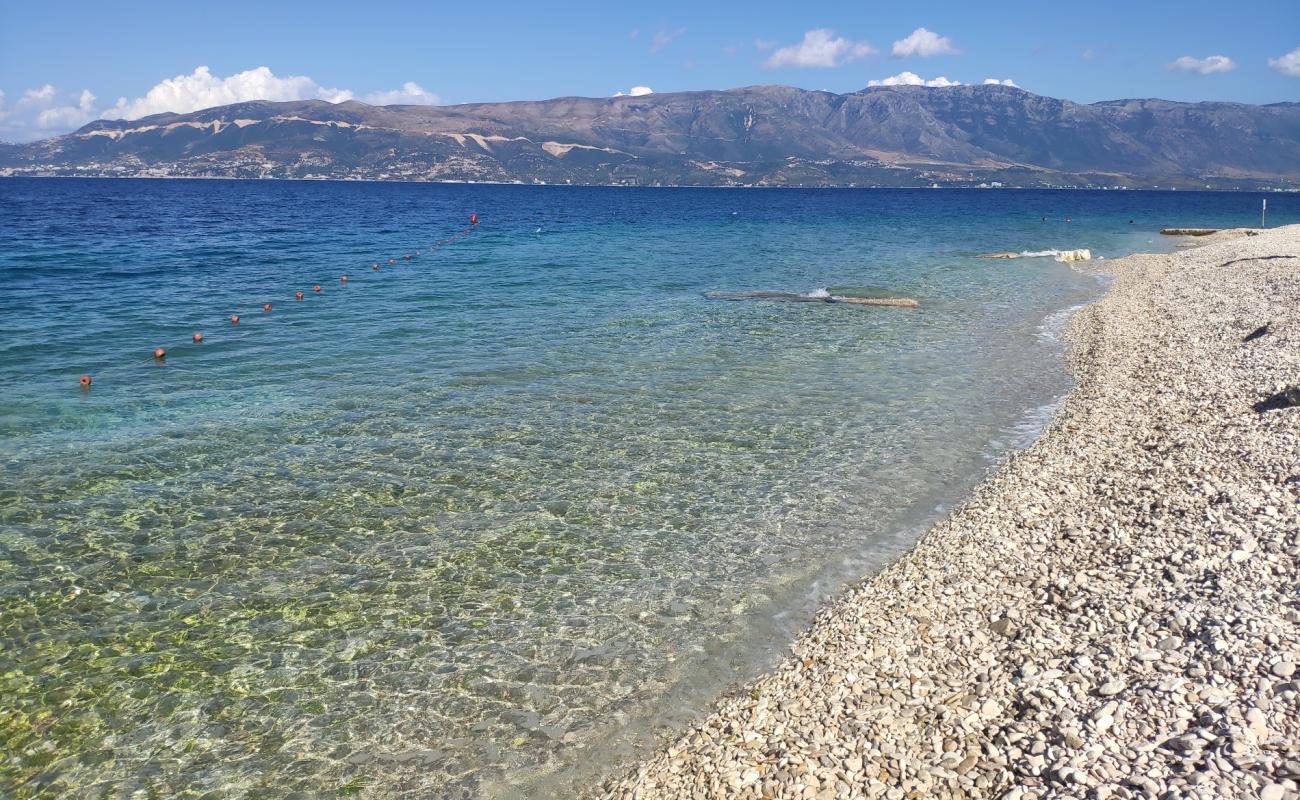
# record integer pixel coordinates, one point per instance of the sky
(65, 63)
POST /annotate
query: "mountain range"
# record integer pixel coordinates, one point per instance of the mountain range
(753, 136)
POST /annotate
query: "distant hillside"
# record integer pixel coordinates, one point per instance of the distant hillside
(756, 136)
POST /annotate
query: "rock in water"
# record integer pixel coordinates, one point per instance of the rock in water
(901, 302)
(1082, 254)
(1287, 398)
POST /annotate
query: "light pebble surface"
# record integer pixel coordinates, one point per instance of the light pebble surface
(1114, 613)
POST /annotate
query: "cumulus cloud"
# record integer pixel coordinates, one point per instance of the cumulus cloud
(820, 48)
(662, 38)
(40, 96)
(1203, 66)
(635, 91)
(923, 43)
(912, 79)
(1003, 82)
(69, 116)
(1288, 64)
(202, 89)
(411, 94)
(46, 110)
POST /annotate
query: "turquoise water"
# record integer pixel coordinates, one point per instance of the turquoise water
(478, 523)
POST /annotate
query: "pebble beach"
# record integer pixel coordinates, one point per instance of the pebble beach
(1113, 613)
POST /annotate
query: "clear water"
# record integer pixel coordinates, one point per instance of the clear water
(479, 523)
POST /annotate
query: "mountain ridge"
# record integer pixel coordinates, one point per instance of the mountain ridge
(766, 135)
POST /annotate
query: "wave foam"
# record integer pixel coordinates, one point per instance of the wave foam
(818, 293)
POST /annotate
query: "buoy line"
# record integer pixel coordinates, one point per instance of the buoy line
(159, 355)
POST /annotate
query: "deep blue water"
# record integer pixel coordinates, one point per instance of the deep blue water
(474, 523)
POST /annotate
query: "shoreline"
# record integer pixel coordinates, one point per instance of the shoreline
(1153, 189)
(1111, 613)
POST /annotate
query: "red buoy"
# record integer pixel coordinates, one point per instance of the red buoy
(198, 337)
(473, 219)
(159, 353)
(344, 279)
(297, 295)
(234, 319)
(84, 381)
(266, 306)
(316, 288)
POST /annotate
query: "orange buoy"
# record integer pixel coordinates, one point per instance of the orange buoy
(266, 306)
(473, 219)
(297, 295)
(84, 380)
(344, 279)
(198, 337)
(316, 288)
(234, 319)
(159, 353)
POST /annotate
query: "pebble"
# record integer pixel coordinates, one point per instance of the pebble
(1111, 615)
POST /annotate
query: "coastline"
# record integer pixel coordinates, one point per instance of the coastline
(1112, 613)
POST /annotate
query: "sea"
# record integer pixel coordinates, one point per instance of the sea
(492, 519)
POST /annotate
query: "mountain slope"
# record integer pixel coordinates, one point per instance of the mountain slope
(760, 135)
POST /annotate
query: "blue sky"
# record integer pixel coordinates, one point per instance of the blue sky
(64, 63)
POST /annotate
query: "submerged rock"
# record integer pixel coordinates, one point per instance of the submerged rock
(901, 302)
(820, 297)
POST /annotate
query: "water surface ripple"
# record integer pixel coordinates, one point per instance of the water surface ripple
(476, 524)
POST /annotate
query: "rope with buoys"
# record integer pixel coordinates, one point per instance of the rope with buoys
(159, 355)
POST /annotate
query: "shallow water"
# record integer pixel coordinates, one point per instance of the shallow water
(475, 524)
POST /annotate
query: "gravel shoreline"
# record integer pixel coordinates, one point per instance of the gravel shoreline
(1114, 613)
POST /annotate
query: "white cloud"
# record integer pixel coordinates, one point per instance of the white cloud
(820, 48)
(1003, 82)
(36, 97)
(662, 38)
(1288, 64)
(1203, 66)
(635, 91)
(763, 44)
(45, 111)
(411, 94)
(924, 43)
(912, 79)
(202, 89)
(70, 116)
